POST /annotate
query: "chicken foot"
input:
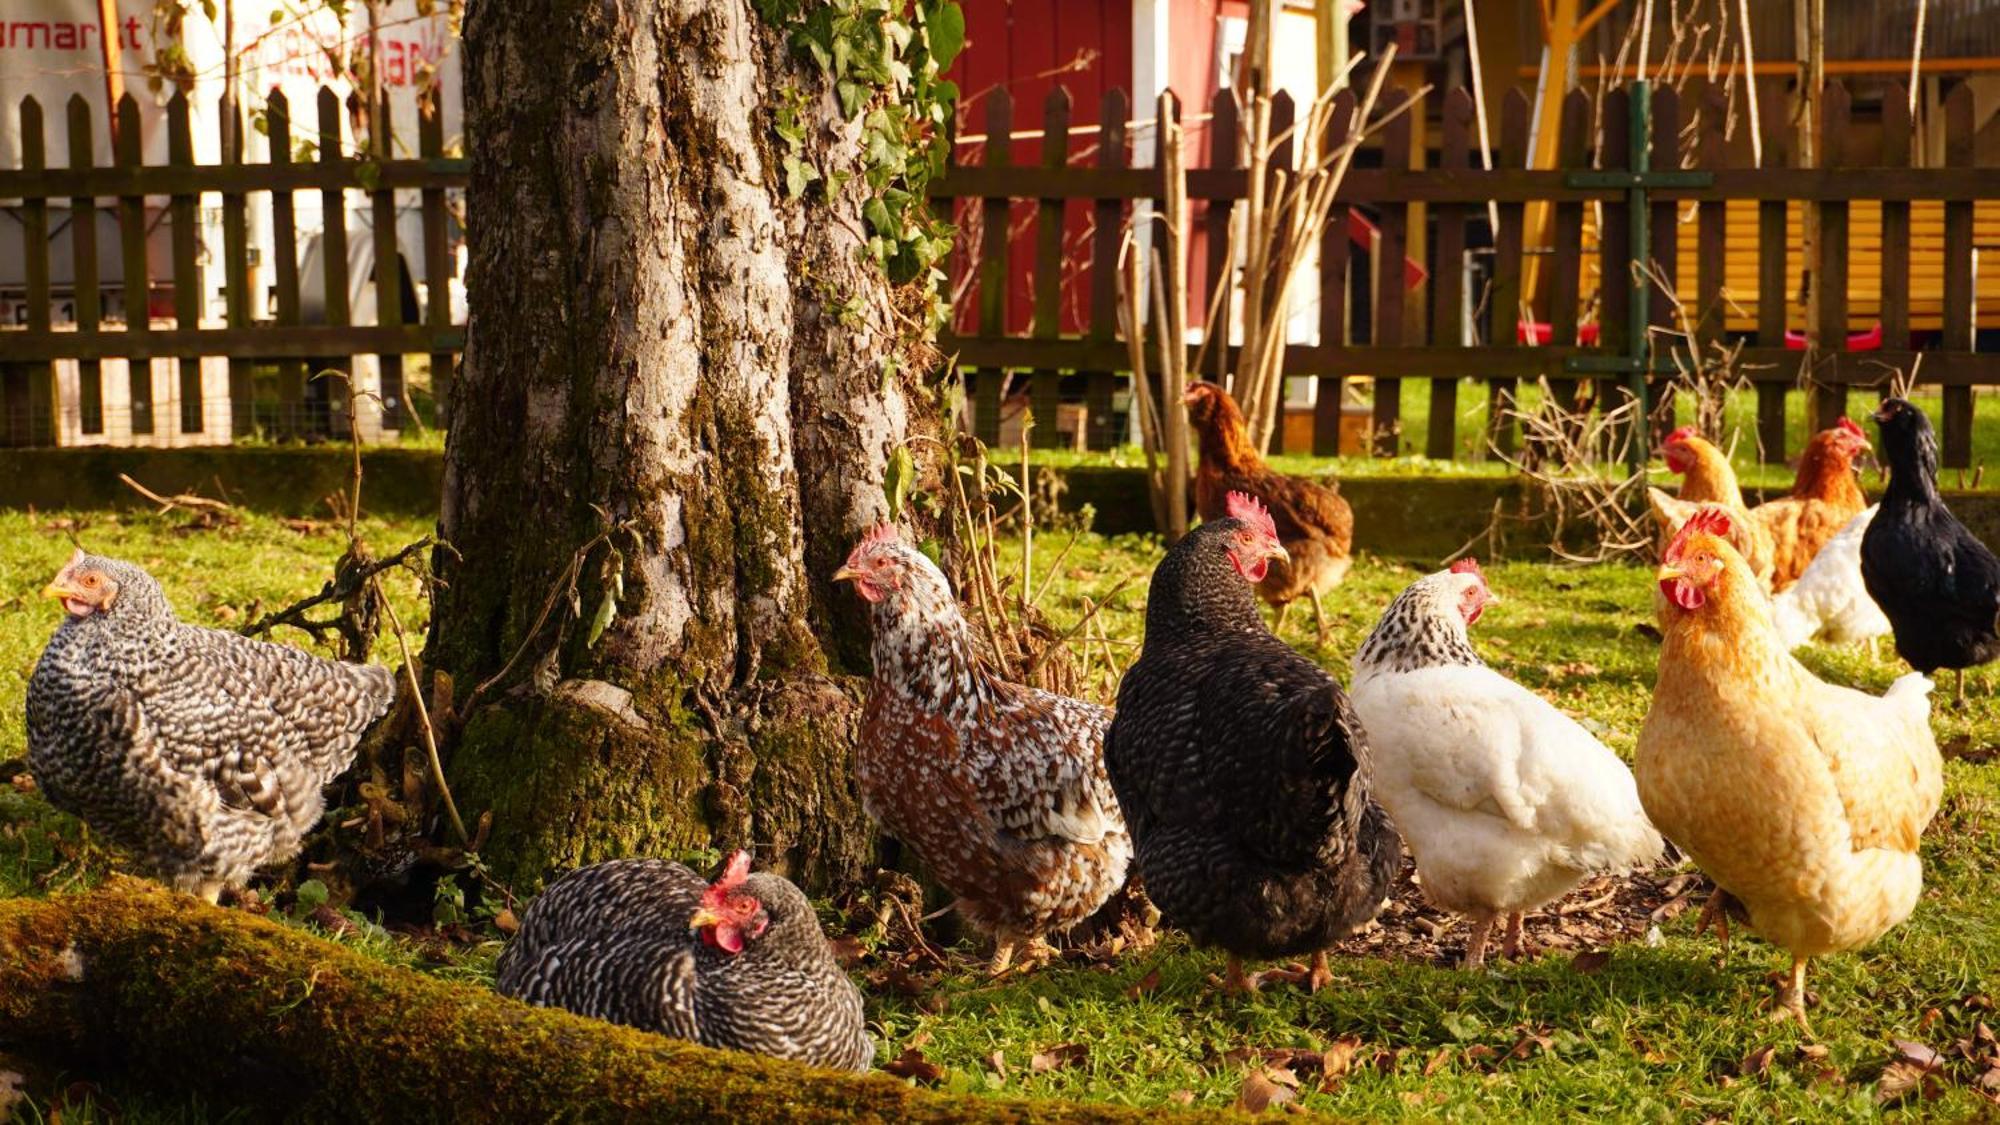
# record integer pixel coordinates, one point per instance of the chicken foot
(1475, 944)
(1236, 982)
(1516, 922)
(1716, 911)
(1791, 999)
(1319, 619)
(1034, 951)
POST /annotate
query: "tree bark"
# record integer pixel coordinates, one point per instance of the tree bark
(166, 992)
(658, 334)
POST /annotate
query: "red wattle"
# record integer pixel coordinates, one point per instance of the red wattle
(1683, 593)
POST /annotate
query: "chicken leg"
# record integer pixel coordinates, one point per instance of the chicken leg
(1320, 975)
(1319, 619)
(1958, 696)
(211, 893)
(1715, 912)
(1792, 997)
(1516, 922)
(1236, 982)
(1475, 944)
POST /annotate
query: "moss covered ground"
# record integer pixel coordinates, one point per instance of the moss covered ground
(1661, 1028)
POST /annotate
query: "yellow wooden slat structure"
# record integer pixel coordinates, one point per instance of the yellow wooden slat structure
(1864, 267)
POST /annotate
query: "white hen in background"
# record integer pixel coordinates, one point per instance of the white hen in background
(1829, 602)
(1506, 802)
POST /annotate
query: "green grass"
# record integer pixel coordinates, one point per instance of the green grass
(1739, 436)
(1661, 1031)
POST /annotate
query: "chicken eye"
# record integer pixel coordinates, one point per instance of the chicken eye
(90, 580)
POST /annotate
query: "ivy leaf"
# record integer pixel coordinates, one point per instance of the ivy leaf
(947, 34)
(877, 214)
(798, 176)
(896, 481)
(607, 608)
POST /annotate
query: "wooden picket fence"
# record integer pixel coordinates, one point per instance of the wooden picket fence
(1630, 323)
(246, 338)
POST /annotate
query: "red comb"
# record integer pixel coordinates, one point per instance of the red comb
(1847, 424)
(1467, 565)
(1249, 509)
(735, 871)
(1682, 434)
(1710, 520)
(881, 533)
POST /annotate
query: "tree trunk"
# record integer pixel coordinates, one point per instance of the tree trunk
(659, 334)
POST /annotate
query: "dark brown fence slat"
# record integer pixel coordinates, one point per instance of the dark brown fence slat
(1614, 236)
(1509, 249)
(1662, 253)
(333, 262)
(1566, 257)
(1772, 281)
(1281, 161)
(181, 214)
(1334, 256)
(1045, 385)
(1448, 307)
(1107, 217)
(1896, 139)
(83, 240)
(388, 276)
(1387, 419)
(236, 271)
(437, 254)
(40, 426)
(1216, 266)
(1958, 290)
(1829, 284)
(138, 284)
(989, 383)
(285, 251)
(1711, 233)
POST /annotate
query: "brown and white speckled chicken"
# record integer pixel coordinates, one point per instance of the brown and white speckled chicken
(739, 963)
(200, 751)
(999, 788)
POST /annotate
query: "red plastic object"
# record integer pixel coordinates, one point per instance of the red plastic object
(1869, 341)
(1539, 332)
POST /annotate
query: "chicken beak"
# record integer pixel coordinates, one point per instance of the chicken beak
(846, 574)
(1278, 552)
(1881, 416)
(61, 589)
(703, 919)
(1669, 573)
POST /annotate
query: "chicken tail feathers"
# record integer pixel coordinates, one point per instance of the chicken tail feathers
(1914, 690)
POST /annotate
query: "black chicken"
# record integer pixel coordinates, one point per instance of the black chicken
(1241, 766)
(1936, 582)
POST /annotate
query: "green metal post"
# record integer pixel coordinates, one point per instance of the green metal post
(1639, 452)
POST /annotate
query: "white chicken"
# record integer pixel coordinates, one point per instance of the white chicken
(1506, 802)
(1829, 602)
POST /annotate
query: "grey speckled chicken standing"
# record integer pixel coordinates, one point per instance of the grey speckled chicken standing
(200, 751)
(615, 941)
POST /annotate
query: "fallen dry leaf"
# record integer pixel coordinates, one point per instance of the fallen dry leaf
(1057, 1057)
(1989, 1080)
(1590, 961)
(1260, 1093)
(1145, 986)
(912, 1064)
(12, 1091)
(997, 1063)
(1757, 1061)
(847, 950)
(506, 921)
(1338, 1058)
(1920, 1054)
(1437, 1061)
(1814, 1052)
(1903, 1078)
(1181, 1097)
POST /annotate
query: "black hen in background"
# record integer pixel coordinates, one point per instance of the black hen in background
(1938, 585)
(1241, 766)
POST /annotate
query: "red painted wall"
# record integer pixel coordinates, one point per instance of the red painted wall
(1028, 48)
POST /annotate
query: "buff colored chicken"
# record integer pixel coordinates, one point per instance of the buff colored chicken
(1803, 800)
(1824, 496)
(1707, 478)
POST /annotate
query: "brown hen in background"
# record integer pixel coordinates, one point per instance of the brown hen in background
(1315, 525)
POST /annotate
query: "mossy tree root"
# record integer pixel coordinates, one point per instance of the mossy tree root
(178, 995)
